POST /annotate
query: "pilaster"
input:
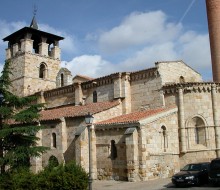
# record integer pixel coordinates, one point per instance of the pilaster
(182, 121)
(131, 141)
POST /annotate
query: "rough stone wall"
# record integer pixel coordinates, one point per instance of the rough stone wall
(196, 156)
(170, 72)
(52, 127)
(58, 100)
(108, 114)
(199, 104)
(162, 158)
(106, 167)
(27, 65)
(146, 94)
(104, 93)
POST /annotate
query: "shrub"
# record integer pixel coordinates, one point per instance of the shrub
(63, 177)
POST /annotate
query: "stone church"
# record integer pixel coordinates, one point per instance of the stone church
(147, 124)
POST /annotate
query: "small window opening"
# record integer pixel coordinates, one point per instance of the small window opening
(181, 80)
(42, 71)
(61, 79)
(54, 140)
(113, 150)
(164, 141)
(94, 96)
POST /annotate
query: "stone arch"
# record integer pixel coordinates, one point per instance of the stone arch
(53, 161)
(43, 70)
(197, 131)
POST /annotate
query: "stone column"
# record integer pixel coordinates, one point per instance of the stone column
(43, 48)
(216, 119)
(182, 121)
(126, 94)
(82, 151)
(8, 53)
(15, 49)
(78, 93)
(93, 151)
(26, 45)
(143, 154)
(131, 142)
(63, 131)
(117, 85)
(55, 52)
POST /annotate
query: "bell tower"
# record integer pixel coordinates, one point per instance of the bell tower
(34, 57)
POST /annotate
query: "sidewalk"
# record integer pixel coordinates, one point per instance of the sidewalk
(157, 184)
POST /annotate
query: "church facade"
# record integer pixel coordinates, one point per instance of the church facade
(147, 123)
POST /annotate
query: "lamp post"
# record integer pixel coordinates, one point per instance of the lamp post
(1, 147)
(88, 120)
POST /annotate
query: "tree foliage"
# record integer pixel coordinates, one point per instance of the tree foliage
(62, 177)
(18, 126)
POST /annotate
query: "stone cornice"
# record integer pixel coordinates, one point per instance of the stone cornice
(196, 87)
(144, 74)
(21, 53)
(59, 91)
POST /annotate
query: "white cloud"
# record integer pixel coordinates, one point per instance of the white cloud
(139, 29)
(89, 65)
(68, 44)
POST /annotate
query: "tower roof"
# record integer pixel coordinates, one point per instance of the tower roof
(34, 23)
(30, 30)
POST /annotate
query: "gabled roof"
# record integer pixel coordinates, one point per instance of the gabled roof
(76, 111)
(134, 117)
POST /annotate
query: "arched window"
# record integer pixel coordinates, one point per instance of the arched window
(42, 71)
(164, 138)
(181, 79)
(53, 162)
(94, 96)
(113, 150)
(197, 131)
(54, 140)
(61, 80)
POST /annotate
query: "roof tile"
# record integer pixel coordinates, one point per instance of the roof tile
(133, 117)
(76, 111)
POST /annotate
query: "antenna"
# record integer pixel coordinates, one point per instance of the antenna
(35, 10)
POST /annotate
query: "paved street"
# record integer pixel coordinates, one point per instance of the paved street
(160, 184)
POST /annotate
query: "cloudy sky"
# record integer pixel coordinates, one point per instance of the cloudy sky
(107, 36)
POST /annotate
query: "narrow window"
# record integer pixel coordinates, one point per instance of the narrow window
(181, 80)
(164, 141)
(42, 71)
(94, 96)
(113, 150)
(61, 80)
(54, 140)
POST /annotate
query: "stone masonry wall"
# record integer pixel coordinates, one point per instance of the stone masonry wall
(104, 93)
(108, 168)
(27, 65)
(146, 94)
(162, 149)
(170, 72)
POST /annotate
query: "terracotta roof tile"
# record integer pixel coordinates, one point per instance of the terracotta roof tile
(76, 111)
(133, 117)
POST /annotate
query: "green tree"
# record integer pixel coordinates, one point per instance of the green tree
(18, 126)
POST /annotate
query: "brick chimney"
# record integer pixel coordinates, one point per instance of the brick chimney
(213, 15)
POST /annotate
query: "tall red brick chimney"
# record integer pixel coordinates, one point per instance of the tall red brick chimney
(213, 15)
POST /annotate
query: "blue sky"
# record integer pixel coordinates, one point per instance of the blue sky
(107, 36)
